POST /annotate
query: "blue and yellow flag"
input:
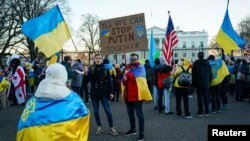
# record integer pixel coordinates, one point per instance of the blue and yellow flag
(227, 38)
(54, 58)
(219, 71)
(140, 76)
(66, 119)
(49, 31)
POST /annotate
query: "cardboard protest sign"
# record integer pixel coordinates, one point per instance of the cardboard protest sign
(123, 34)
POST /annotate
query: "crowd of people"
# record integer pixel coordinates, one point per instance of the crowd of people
(212, 79)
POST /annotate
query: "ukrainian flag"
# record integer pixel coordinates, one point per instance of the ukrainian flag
(219, 71)
(49, 31)
(140, 76)
(54, 120)
(227, 38)
(105, 33)
(55, 58)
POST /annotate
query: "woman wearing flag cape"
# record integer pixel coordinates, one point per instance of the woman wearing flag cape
(54, 113)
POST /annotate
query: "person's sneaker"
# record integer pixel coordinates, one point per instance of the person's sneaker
(190, 96)
(178, 116)
(188, 117)
(130, 132)
(199, 115)
(113, 131)
(207, 115)
(141, 137)
(99, 131)
(214, 112)
(169, 113)
(218, 111)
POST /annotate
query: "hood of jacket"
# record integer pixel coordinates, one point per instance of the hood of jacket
(54, 84)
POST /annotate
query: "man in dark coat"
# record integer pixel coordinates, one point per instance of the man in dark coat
(67, 63)
(101, 91)
(201, 79)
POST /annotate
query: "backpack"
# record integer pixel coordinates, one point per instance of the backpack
(185, 78)
(167, 82)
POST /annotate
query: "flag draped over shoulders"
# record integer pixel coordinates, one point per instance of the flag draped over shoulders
(140, 76)
(48, 31)
(66, 119)
(219, 71)
(227, 38)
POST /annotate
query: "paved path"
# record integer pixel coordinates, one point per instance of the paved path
(158, 127)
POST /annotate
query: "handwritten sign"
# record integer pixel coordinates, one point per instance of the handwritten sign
(123, 34)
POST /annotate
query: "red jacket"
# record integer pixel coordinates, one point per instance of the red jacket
(160, 77)
(131, 88)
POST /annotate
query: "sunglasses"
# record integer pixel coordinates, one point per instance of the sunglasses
(133, 59)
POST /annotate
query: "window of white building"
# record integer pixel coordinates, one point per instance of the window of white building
(193, 54)
(192, 44)
(201, 44)
(184, 54)
(184, 44)
(175, 55)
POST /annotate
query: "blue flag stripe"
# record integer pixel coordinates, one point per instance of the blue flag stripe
(54, 111)
(33, 28)
(228, 29)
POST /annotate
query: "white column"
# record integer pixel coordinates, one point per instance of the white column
(160, 43)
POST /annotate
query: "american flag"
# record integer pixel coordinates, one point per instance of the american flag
(170, 41)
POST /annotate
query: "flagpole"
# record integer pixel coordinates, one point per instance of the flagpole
(68, 29)
(151, 14)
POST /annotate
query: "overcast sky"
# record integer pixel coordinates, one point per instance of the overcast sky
(189, 15)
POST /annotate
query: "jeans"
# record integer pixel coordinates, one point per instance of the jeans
(106, 107)
(117, 93)
(155, 94)
(137, 107)
(160, 97)
(166, 93)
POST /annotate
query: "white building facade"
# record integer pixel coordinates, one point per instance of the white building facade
(189, 44)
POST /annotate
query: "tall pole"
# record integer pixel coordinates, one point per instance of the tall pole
(68, 30)
(116, 59)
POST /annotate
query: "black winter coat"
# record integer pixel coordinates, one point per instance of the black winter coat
(201, 74)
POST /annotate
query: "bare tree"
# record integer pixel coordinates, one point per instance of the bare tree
(15, 13)
(244, 29)
(214, 47)
(89, 33)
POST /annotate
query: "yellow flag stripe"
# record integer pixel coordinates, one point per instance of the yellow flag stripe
(52, 42)
(73, 130)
